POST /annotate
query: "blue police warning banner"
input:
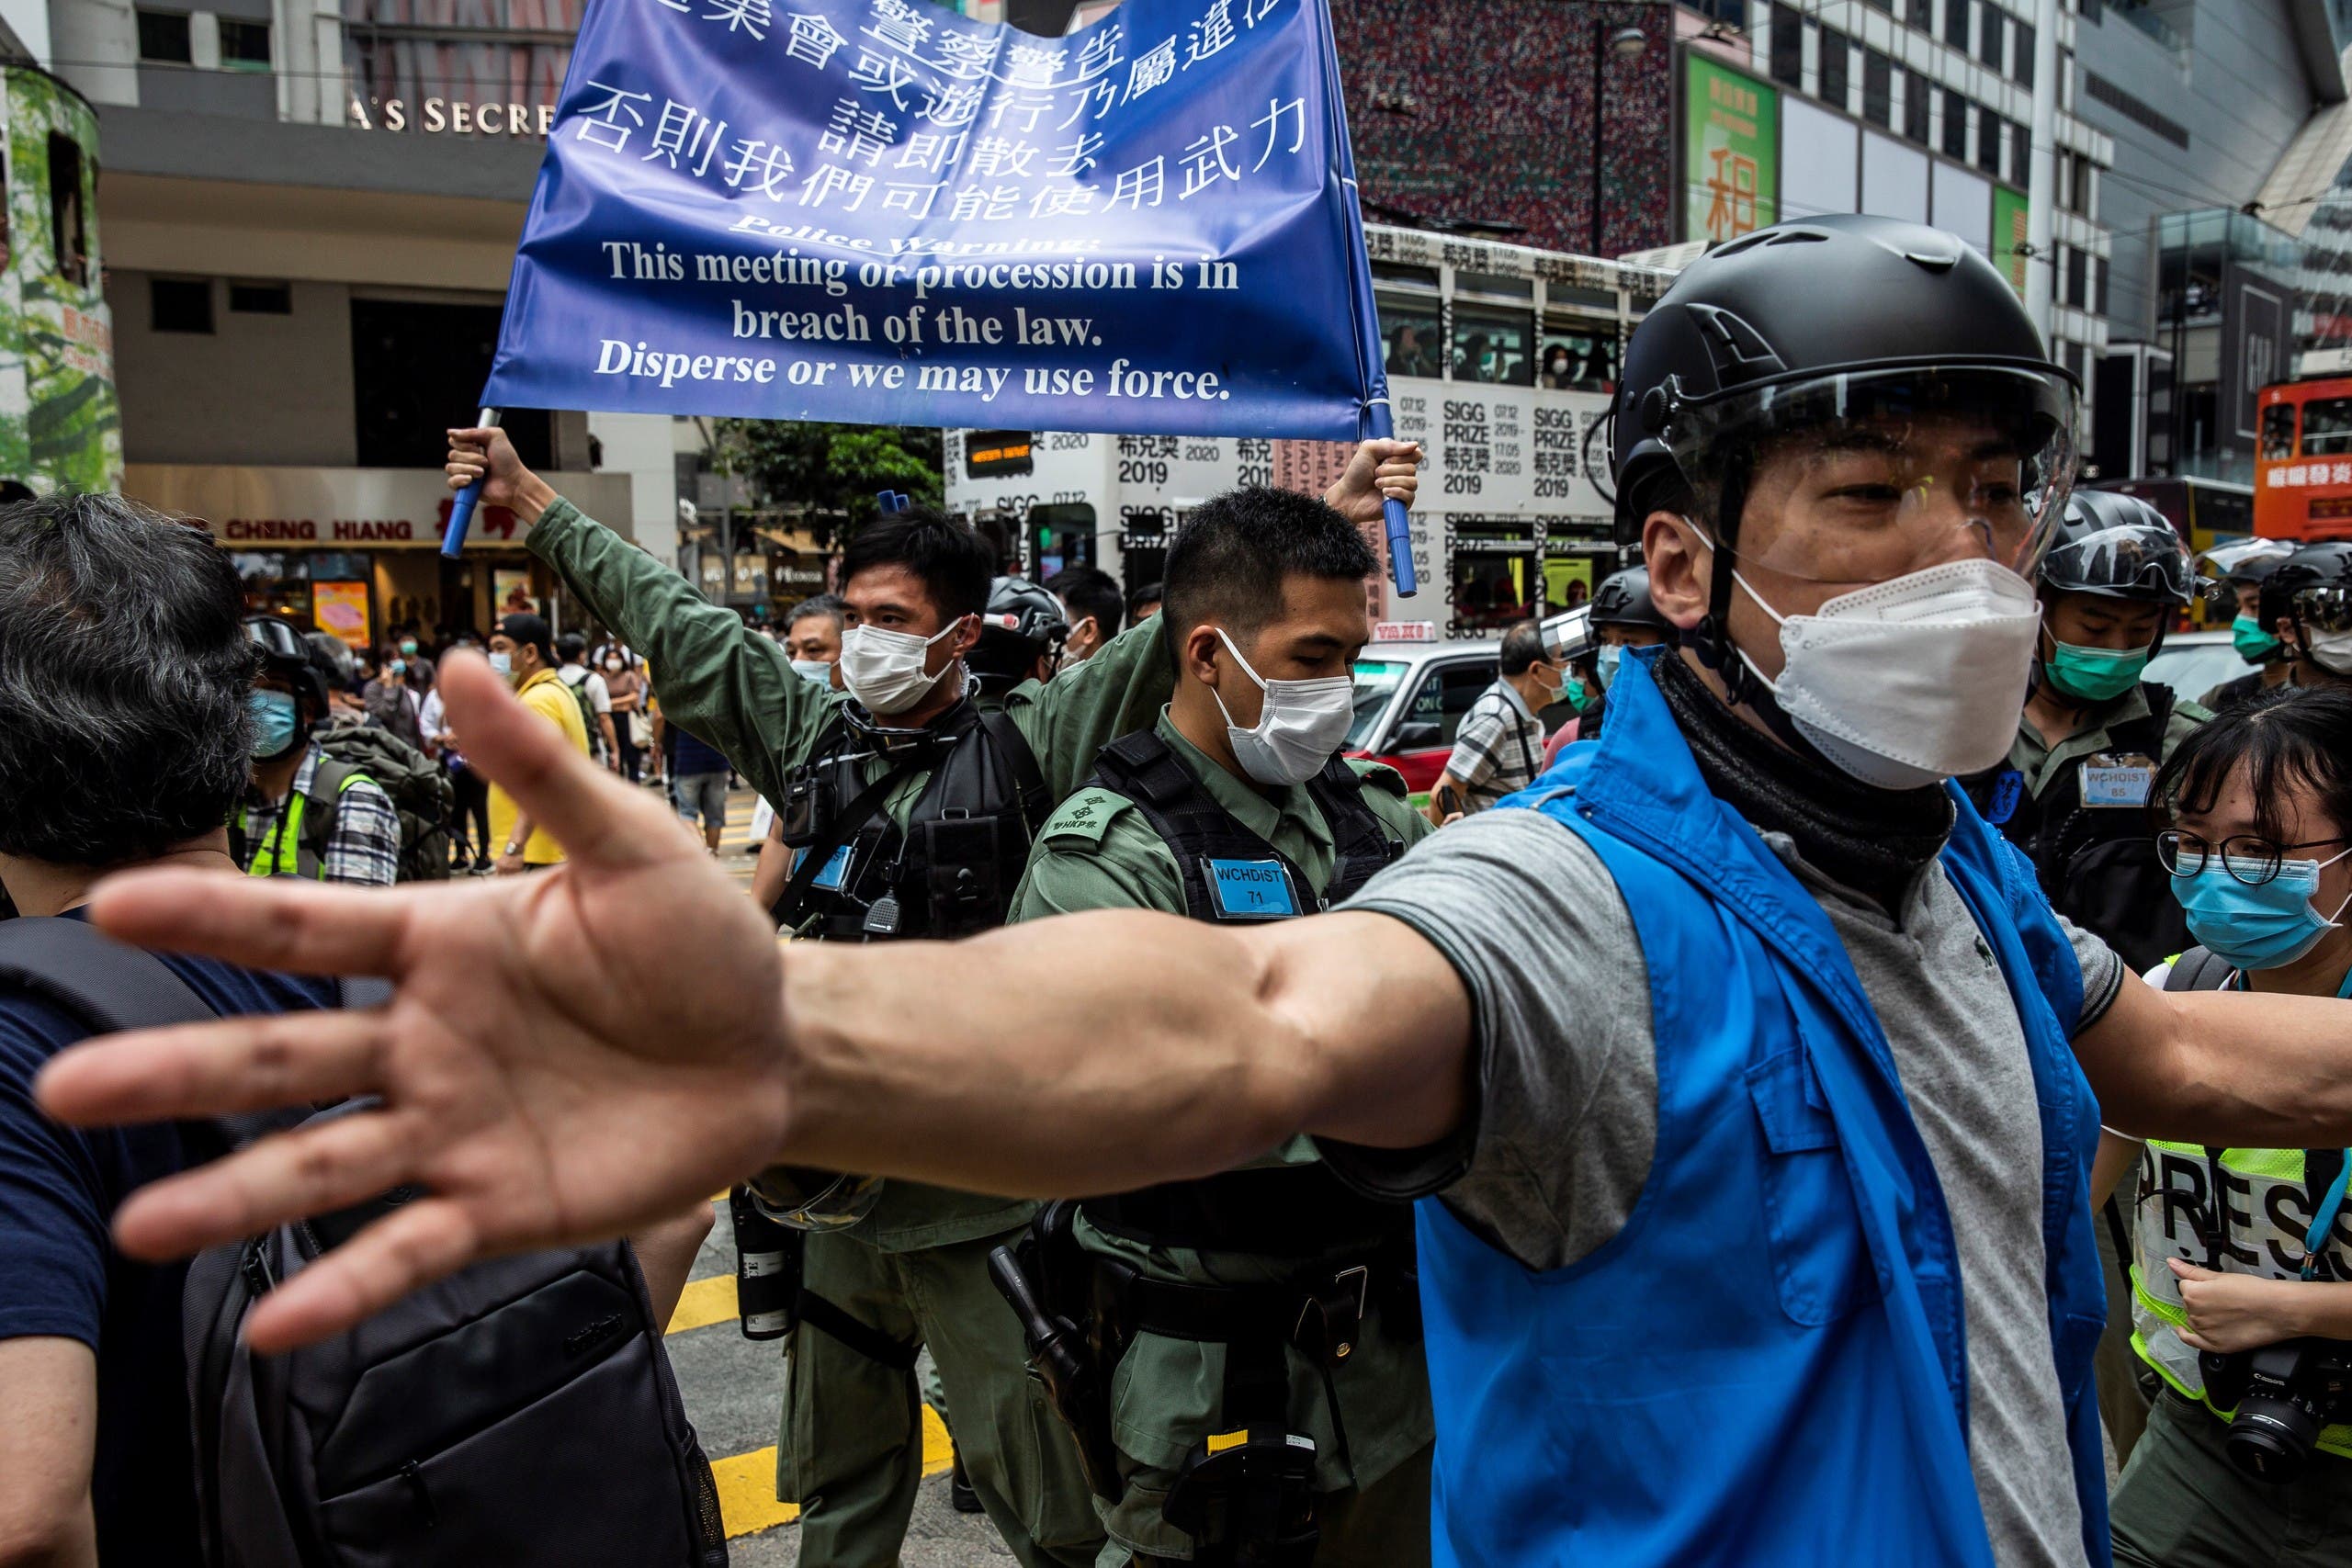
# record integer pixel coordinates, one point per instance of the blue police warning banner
(875, 210)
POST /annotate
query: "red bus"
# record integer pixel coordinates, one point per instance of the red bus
(2303, 461)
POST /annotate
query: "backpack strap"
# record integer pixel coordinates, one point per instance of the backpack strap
(1010, 749)
(321, 803)
(107, 986)
(2197, 970)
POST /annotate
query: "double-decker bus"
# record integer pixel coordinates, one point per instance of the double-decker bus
(2302, 460)
(1501, 361)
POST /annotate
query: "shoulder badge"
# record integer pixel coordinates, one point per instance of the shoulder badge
(1081, 821)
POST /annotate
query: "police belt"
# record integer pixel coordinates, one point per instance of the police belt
(1323, 1319)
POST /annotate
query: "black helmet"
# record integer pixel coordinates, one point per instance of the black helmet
(1748, 327)
(1623, 600)
(289, 655)
(2313, 588)
(2117, 547)
(1022, 623)
(2244, 562)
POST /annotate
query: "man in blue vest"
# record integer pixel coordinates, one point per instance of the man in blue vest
(1745, 1070)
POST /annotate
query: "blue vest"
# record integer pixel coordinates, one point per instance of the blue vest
(1767, 1365)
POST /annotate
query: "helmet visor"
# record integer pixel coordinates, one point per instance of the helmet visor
(2325, 609)
(1857, 477)
(2139, 560)
(278, 642)
(2244, 561)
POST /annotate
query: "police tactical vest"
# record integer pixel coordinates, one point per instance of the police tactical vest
(2096, 863)
(952, 870)
(1232, 875)
(2234, 1211)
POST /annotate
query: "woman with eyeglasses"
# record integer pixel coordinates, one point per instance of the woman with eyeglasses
(2242, 1270)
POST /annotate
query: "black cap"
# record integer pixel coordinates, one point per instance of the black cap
(519, 626)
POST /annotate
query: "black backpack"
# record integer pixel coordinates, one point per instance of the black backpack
(419, 787)
(408, 1440)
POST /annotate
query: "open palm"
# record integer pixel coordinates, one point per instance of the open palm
(542, 1080)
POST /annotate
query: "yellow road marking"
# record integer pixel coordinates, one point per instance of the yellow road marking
(703, 1303)
(747, 1482)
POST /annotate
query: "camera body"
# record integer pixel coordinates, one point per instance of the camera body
(2281, 1394)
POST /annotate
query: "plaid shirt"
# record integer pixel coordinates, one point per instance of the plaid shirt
(364, 847)
(1500, 748)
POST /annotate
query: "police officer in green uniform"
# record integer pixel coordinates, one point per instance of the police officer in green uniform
(1255, 1334)
(2075, 791)
(2240, 567)
(911, 813)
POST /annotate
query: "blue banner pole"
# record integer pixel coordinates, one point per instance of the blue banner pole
(462, 512)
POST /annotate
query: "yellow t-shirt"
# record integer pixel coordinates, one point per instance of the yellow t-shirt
(545, 694)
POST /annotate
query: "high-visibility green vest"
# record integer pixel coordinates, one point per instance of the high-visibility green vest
(297, 846)
(2257, 1229)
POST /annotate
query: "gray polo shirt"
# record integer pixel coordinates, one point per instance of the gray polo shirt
(1554, 1153)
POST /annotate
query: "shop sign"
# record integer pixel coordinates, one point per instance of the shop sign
(346, 509)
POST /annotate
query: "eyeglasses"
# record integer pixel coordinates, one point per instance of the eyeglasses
(2249, 858)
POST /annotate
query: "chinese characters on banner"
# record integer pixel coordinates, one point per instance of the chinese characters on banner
(1731, 152)
(879, 210)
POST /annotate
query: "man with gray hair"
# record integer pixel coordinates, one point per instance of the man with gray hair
(1500, 748)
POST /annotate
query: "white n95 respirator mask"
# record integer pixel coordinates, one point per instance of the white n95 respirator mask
(883, 670)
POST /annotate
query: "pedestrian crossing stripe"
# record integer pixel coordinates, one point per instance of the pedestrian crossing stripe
(747, 1482)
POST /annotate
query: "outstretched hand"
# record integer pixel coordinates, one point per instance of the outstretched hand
(567, 1057)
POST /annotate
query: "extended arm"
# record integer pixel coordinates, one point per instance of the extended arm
(576, 1055)
(48, 1386)
(2232, 1069)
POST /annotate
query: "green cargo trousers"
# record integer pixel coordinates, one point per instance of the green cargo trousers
(851, 1449)
(1385, 1526)
(2181, 1503)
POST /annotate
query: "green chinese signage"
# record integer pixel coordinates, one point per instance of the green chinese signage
(2008, 236)
(1731, 152)
(61, 426)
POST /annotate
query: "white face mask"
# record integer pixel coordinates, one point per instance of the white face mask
(1300, 724)
(1912, 680)
(883, 670)
(815, 669)
(2333, 651)
(502, 664)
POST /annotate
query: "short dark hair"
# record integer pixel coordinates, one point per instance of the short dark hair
(952, 562)
(1229, 558)
(2286, 736)
(124, 671)
(830, 605)
(1523, 646)
(1149, 594)
(1089, 591)
(571, 646)
(521, 626)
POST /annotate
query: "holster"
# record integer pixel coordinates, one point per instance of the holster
(1036, 1279)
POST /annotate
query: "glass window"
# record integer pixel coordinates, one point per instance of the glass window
(2277, 432)
(1915, 107)
(1377, 681)
(1956, 23)
(1835, 63)
(2327, 427)
(1955, 126)
(163, 38)
(68, 235)
(1991, 39)
(1409, 330)
(1878, 88)
(2023, 69)
(179, 304)
(1444, 694)
(2078, 275)
(1988, 141)
(1494, 345)
(245, 46)
(1577, 358)
(1788, 46)
(1490, 591)
(2098, 286)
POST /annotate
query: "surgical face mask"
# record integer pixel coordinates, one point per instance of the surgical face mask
(2331, 650)
(277, 723)
(612, 666)
(503, 665)
(2254, 644)
(409, 649)
(1300, 724)
(395, 667)
(1579, 695)
(2256, 928)
(883, 670)
(1912, 680)
(2093, 674)
(1604, 663)
(815, 669)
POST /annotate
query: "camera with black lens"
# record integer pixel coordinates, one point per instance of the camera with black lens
(2284, 1394)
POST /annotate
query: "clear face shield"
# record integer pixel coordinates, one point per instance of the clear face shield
(1850, 480)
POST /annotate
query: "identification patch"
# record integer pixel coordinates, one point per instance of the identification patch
(2117, 780)
(1251, 889)
(836, 871)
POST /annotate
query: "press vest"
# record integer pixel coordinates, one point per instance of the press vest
(2266, 1201)
(298, 845)
(1234, 876)
(2096, 863)
(952, 869)
(1768, 1364)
